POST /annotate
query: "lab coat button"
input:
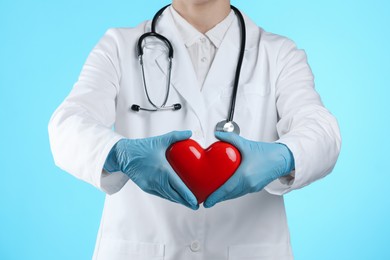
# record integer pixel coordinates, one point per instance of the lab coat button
(195, 246)
(204, 59)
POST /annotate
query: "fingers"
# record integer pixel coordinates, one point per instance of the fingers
(172, 195)
(172, 198)
(231, 189)
(176, 136)
(181, 192)
(171, 191)
(231, 138)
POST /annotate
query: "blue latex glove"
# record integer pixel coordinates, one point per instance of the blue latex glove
(144, 161)
(261, 163)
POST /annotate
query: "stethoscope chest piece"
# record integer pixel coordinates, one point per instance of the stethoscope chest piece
(228, 126)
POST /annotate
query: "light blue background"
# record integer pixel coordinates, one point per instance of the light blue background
(48, 214)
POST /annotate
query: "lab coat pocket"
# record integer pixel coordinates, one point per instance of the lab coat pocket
(260, 252)
(118, 249)
(250, 97)
(251, 104)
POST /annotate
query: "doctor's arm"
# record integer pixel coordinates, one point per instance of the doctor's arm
(305, 126)
(83, 141)
(309, 137)
(80, 130)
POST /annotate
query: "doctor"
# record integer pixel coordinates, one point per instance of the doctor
(287, 140)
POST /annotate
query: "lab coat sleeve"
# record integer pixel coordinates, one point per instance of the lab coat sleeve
(80, 130)
(304, 125)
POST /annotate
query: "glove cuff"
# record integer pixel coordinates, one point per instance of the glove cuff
(111, 163)
(289, 158)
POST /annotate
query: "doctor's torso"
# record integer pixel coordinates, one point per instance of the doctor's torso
(136, 225)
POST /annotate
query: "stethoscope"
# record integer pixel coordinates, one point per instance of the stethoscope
(227, 125)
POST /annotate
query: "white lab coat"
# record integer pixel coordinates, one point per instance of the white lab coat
(276, 101)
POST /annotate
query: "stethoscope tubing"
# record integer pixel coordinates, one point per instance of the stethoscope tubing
(239, 63)
(221, 125)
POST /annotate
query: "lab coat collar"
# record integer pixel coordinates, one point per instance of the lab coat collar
(190, 34)
(218, 32)
(222, 71)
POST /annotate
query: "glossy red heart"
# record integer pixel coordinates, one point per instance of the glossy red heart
(203, 170)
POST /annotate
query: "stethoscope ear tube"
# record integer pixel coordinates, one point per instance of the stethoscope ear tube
(239, 64)
(156, 16)
(140, 52)
(153, 33)
(160, 37)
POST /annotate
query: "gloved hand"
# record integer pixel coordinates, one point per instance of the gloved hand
(144, 161)
(261, 163)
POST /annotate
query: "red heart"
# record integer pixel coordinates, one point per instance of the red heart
(203, 171)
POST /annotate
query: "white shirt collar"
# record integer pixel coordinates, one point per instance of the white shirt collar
(190, 35)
